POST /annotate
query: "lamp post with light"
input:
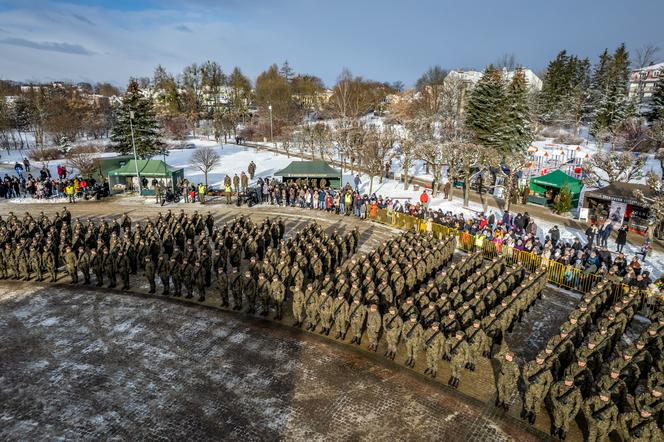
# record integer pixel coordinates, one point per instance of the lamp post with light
(271, 131)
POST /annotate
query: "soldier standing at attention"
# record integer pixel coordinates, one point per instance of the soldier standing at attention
(176, 274)
(374, 324)
(149, 271)
(340, 315)
(601, 415)
(124, 269)
(199, 281)
(221, 285)
(83, 263)
(278, 294)
(506, 380)
(412, 333)
(538, 379)
(325, 312)
(263, 294)
(434, 345)
(97, 264)
(70, 265)
(356, 319)
(566, 401)
(392, 324)
(110, 268)
(298, 306)
(459, 354)
(249, 291)
(235, 284)
(163, 269)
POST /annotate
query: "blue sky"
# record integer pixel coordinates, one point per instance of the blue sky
(388, 40)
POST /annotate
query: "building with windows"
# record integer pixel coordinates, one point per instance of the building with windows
(642, 84)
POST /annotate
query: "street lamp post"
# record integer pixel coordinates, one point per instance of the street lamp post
(271, 131)
(133, 144)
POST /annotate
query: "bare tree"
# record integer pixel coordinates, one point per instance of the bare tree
(377, 148)
(205, 158)
(45, 154)
(646, 55)
(605, 168)
(84, 158)
(406, 151)
(507, 61)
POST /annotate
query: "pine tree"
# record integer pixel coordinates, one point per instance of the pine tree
(486, 107)
(517, 129)
(146, 129)
(611, 104)
(657, 105)
(563, 203)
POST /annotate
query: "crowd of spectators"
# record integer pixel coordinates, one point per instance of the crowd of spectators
(43, 185)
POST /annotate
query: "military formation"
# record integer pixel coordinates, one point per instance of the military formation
(588, 370)
(406, 293)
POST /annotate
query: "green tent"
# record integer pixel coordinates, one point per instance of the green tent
(125, 177)
(311, 170)
(554, 181)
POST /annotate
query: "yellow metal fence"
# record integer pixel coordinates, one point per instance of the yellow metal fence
(561, 275)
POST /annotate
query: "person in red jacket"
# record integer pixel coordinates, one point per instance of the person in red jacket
(424, 201)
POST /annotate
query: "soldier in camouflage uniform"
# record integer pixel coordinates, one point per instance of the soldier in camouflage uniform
(601, 416)
(277, 291)
(434, 345)
(340, 313)
(149, 272)
(298, 306)
(458, 358)
(412, 335)
(356, 318)
(565, 401)
(537, 378)
(221, 286)
(70, 265)
(506, 380)
(374, 325)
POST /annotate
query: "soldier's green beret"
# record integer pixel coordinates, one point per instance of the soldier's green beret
(413, 316)
(569, 377)
(628, 351)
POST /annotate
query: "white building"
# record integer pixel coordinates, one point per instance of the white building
(642, 84)
(472, 77)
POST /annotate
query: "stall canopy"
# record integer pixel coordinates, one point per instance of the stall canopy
(556, 180)
(148, 169)
(622, 193)
(311, 170)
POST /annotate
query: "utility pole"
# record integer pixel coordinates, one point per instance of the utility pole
(271, 131)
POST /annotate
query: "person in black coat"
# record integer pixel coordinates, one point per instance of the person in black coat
(621, 240)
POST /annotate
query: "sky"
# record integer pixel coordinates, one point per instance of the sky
(384, 40)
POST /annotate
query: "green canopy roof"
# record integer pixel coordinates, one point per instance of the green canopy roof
(146, 168)
(308, 169)
(556, 179)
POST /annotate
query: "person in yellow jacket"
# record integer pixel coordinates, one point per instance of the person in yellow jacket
(348, 200)
(69, 191)
(229, 192)
(201, 193)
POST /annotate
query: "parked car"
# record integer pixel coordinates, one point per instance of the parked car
(189, 146)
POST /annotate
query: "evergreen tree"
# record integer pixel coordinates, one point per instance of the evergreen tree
(146, 129)
(516, 132)
(563, 202)
(657, 105)
(611, 105)
(485, 109)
